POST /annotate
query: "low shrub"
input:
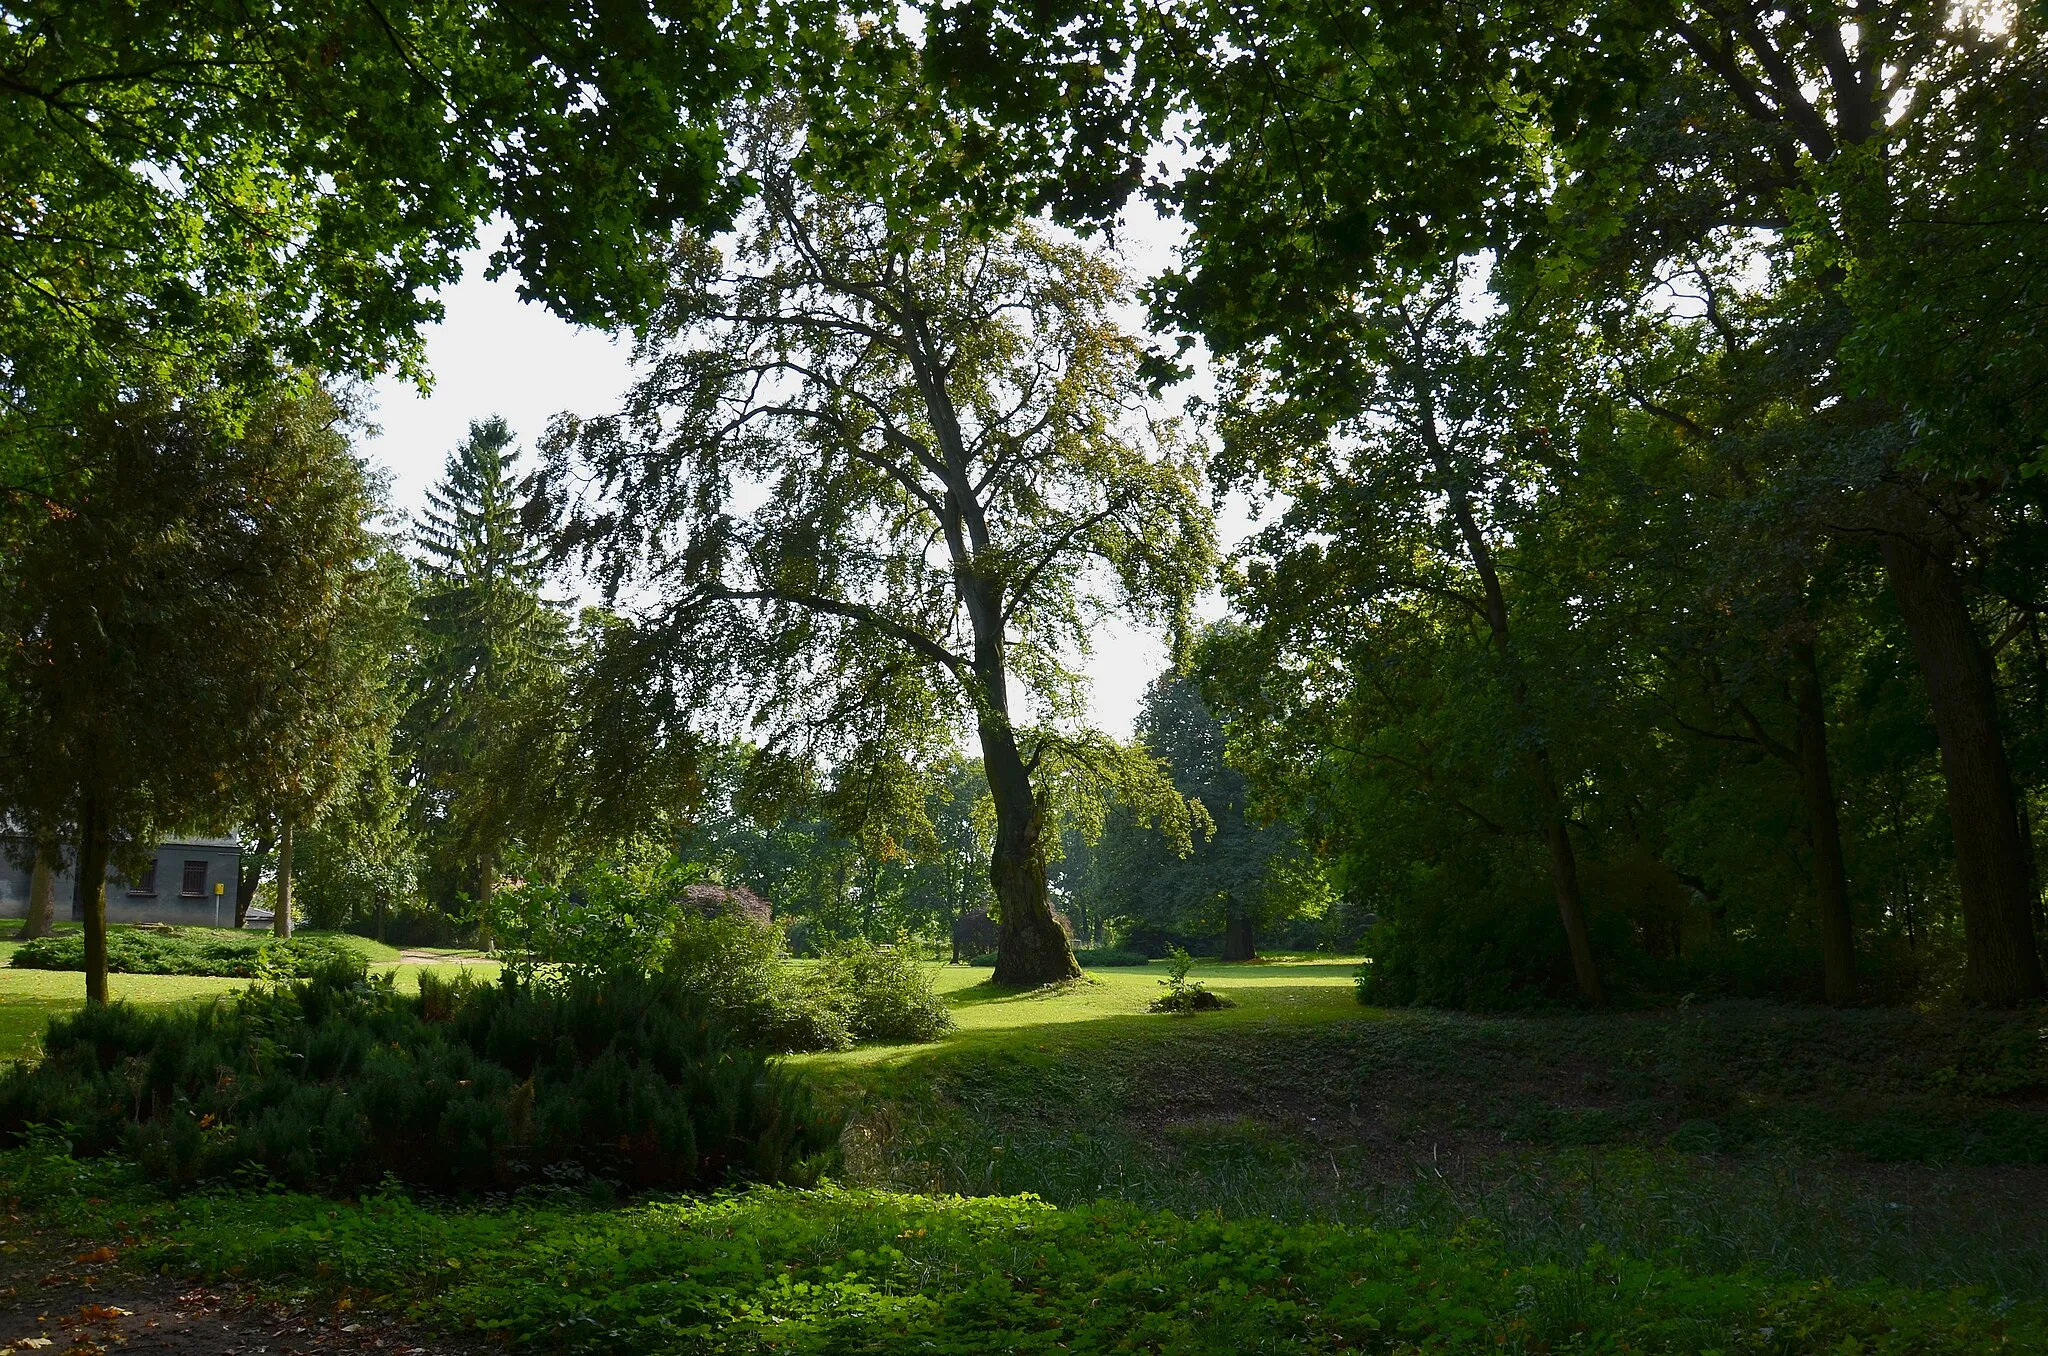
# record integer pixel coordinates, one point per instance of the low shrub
(887, 994)
(205, 951)
(336, 1081)
(987, 960)
(735, 968)
(1109, 957)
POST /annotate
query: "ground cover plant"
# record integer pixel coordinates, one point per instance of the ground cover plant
(192, 951)
(839, 1270)
(338, 1080)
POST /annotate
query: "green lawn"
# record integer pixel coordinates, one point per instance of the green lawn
(1857, 1145)
(1266, 992)
(30, 998)
(1867, 1147)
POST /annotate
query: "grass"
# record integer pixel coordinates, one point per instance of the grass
(1863, 1145)
(30, 998)
(1683, 1180)
(1287, 991)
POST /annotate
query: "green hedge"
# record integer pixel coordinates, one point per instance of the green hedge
(206, 951)
(842, 1271)
(337, 1081)
(1109, 957)
(1105, 957)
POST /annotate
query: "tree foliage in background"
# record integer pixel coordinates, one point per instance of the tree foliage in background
(492, 653)
(1801, 240)
(1232, 879)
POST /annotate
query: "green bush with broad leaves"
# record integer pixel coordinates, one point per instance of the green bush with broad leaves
(337, 1081)
(735, 966)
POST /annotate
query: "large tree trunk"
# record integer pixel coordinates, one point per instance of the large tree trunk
(1240, 939)
(42, 891)
(2002, 966)
(1830, 877)
(1031, 947)
(281, 917)
(93, 851)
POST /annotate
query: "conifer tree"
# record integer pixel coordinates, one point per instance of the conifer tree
(488, 636)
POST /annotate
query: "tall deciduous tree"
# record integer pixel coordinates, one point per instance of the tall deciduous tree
(1404, 477)
(1598, 146)
(955, 481)
(178, 632)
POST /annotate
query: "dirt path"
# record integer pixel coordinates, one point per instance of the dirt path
(56, 1300)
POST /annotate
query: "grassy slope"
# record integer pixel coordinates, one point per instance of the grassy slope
(1865, 1144)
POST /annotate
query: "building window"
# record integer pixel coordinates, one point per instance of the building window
(147, 885)
(194, 886)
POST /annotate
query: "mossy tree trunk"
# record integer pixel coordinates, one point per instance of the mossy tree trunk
(1031, 946)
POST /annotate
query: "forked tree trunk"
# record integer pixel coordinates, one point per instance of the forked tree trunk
(42, 891)
(1830, 876)
(1031, 947)
(93, 851)
(2001, 965)
(1240, 938)
(281, 917)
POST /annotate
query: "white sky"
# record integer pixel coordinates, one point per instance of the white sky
(495, 354)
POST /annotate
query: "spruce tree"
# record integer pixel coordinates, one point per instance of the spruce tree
(488, 638)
